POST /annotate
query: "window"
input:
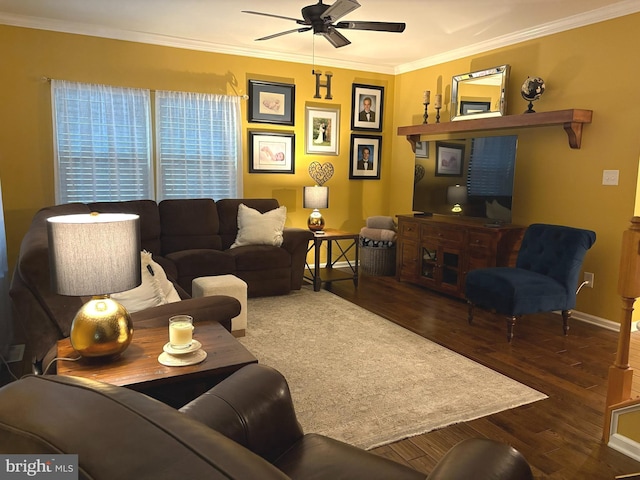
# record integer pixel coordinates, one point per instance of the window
(102, 142)
(198, 138)
(492, 165)
(103, 152)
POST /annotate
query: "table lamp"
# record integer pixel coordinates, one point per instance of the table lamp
(96, 254)
(456, 196)
(315, 197)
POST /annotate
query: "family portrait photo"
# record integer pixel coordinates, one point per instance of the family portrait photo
(271, 152)
(322, 130)
(366, 107)
(365, 157)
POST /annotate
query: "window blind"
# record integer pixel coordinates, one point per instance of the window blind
(491, 168)
(198, 145)
(102, 142)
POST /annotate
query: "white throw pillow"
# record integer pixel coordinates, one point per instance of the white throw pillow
(255, 228)
(155, 289)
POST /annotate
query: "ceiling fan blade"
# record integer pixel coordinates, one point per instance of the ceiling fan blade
(335, 38)
(377, 26)
(339, 9)
(269, 37)
(301, 22)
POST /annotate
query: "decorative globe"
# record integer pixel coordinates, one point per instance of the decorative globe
(532, 89)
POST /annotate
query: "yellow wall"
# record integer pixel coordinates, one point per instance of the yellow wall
(590, 67)
(26, 157)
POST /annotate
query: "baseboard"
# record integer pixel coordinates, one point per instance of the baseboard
(577, 315)
(600, 322)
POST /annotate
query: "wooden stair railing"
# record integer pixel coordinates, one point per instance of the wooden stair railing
(621, 373)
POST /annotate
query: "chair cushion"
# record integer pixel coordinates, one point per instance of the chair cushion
(516, 291)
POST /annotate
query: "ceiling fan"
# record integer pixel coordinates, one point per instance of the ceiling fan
(321, 19)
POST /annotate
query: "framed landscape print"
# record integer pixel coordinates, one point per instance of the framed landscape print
(271, 152)
(322, 130)
(271, 102)
(449, 159)
(366, 107)
(365, 157)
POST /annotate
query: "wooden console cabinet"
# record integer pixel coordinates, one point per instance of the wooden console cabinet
(437, 251)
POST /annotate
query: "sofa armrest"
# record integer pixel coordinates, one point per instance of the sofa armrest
(296, 241)
(253, 407)
(216, 308)
(482, 459)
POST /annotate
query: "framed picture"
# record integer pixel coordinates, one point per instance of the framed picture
(366, 151)
(449, 159)
(469, 108)
(366, 107)
(271, 152)
(271, 102)
(322, 130)
(422, 149)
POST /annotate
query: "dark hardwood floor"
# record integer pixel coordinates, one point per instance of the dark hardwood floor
(561, 436)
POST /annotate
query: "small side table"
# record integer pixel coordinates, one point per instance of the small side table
(317, 275)
(138, 368)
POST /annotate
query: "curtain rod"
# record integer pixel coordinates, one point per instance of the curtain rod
(244, 97)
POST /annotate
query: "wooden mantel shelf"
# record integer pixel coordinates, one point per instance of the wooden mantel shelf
(571, 120)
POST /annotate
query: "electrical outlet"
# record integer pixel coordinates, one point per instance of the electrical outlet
(610, 177)
(16, 352)
(588, 277)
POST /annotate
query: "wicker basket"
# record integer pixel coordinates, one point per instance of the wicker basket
(378, 261)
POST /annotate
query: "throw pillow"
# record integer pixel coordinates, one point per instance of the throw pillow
(155, 289)
(255, 228)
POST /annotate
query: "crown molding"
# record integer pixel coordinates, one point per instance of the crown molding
(93, 30)
(606, 13)
(594, 16)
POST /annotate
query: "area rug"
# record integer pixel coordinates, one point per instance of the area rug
(362, 379)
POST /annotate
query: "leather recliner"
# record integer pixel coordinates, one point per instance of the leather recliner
(243, 428)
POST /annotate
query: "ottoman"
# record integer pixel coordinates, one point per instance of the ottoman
(231, 286)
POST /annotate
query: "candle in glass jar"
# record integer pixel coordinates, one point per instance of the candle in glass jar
(427, 96)
(438, 101)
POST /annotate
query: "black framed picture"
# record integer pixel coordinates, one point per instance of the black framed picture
(366, 152)
(422, 149)
(271, 102)
(449, 159)
(271, 152)
(469, 108)
(367, 102)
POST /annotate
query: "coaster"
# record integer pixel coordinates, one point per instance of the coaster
(195, 345)
(182, 360)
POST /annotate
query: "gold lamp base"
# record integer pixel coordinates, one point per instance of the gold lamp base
(101, 328)
(315, 221)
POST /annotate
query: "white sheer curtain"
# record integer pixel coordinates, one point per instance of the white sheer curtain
(198, 142)
(5, 310)
(102, 142)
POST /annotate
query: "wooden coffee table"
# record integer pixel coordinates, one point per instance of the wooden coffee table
(138, 368)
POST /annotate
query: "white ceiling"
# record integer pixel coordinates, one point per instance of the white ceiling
(437, 30)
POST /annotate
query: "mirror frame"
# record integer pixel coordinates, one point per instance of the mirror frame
(501, 72)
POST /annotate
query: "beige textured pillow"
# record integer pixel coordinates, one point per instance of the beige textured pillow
(255, 228)
(155, 289)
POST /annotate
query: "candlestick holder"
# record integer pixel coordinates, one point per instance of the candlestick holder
(426, 114)
(438, 114)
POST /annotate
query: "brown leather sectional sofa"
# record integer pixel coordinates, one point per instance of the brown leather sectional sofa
(189, 238)
(243, 428)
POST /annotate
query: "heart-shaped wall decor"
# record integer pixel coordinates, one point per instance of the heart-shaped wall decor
(321, 173)
(418, 173)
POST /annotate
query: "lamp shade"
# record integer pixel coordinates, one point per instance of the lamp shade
(456, 195)
(315, 197)
(94, 254)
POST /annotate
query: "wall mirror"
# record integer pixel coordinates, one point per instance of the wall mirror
(479, 94)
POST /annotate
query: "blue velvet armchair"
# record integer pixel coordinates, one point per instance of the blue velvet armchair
(544, 279)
